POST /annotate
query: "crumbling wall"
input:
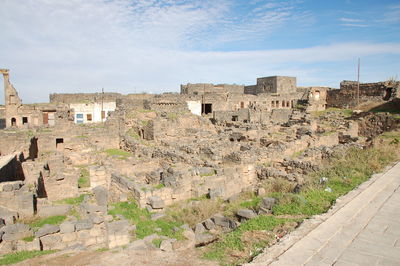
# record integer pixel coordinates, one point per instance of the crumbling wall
(346, 96)
(371, 125)
(69, 98)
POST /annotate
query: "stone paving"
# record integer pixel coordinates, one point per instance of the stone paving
(364, 230)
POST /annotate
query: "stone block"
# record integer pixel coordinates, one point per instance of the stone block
(69, 237)
(199, 229)
(46, 211)
(83, 225)
(90, 241)
(156, 202)
(95, 231)
(29, 246)
(157, 216)
(47, 229)
(209, 224)
(118, 226)
(83, 234)
(166, 245)
(246, 213)
(67, 227)
(138, 245)
(16, 232)
(268, 203)
(214, 193)
(204, 239)
(51, 241)
(101, 195)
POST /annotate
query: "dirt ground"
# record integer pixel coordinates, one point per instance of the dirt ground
(121, 257)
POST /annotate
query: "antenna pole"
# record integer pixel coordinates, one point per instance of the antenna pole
(358, 83)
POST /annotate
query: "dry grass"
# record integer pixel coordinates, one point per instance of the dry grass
(196, 213)
(278, 185)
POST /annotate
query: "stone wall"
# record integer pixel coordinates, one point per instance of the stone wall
(346, 96)
(69, 98)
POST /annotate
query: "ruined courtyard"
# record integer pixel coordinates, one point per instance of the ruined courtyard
(180, 172)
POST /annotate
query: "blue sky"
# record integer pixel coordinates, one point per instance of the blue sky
(154, 46)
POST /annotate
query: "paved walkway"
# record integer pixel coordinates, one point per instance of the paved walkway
(363, 229)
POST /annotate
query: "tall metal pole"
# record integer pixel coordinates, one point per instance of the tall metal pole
(102, 103)
(358, 83)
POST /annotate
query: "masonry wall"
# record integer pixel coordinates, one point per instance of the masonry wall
(346, 96)
(84, 97)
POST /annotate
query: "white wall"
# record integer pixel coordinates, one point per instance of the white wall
(194, 107)
(92, 108)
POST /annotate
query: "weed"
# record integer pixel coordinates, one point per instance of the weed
(157, 242)
(28, 239)
(84, 178)
(144, 225)
(13, 258)
(72, 201)
(36, 222)
(120, 154)
(102, 249)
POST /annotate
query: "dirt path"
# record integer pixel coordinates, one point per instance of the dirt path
(121, 257)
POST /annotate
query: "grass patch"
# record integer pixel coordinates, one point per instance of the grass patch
(84, 178)
(28, 239)
(344, 112)
(120, 154)
(227, 250)
(36, 222)
(72, 201)
(144, 225)
(213, 172)
(13, 258)
(102, 249)
(159, 186)
(343, 173)
(157, 242)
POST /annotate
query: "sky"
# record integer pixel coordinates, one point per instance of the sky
(134, 46)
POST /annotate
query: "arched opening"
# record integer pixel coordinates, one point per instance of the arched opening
(13, 122)
(316, 95)
(388, 94)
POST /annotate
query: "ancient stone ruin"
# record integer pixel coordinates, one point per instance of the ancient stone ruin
(74, 157)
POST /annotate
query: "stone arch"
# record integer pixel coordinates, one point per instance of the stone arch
(13, 122)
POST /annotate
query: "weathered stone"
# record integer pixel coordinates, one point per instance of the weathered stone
(67, 227)
(221, 220)
(209, 224)
(139, 244)
(83, 225)
(47, 229)
(268, 203)
(166, 245)
(47, 211)
(246, 213)
(156, 202)
(204, 239)
(199, 228)
(101, 195)
(157, 216)
(16, 232)
(216, 193)
(28, 246)
(52, 242)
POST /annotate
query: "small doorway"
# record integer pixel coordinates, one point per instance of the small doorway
(235, 118)
(13, 122)
(206, 108)
(24, 120)
(59, 143)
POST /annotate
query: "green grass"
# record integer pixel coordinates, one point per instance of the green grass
(28, 239)
(72, 201)
(157, 242)
(344, 112)
(84, 178)
(102, 249)
(13, 258)
(233, 241)
(344, 173)
(37, 223)
(159, 186)
(121, 154)
(213, 172)
(144, 225)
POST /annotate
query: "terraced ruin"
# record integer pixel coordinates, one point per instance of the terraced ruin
(219, 172)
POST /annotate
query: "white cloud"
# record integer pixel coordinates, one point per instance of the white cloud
(351, 20)
(143, 45)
